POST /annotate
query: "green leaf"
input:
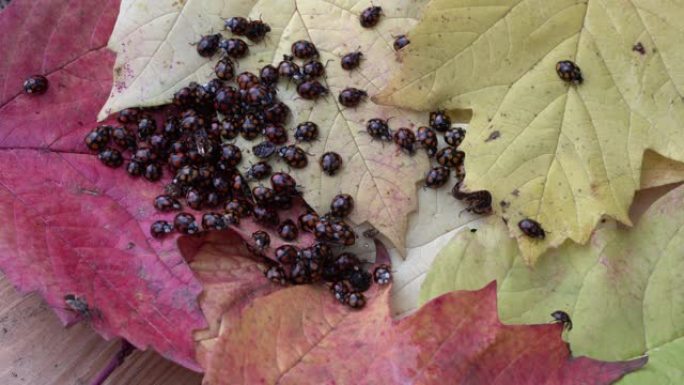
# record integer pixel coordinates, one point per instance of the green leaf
(623, 290)
(562, 154)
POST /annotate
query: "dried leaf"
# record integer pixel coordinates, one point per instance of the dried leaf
(566, 154)
(622, 289)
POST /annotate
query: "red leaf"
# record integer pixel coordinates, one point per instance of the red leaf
(300, 335)
(71, 225)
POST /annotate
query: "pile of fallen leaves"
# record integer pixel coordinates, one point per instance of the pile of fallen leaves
(556, 156)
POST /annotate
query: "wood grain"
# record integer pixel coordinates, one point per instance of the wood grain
(36, 350)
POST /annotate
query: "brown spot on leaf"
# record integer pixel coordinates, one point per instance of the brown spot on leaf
(515, 192)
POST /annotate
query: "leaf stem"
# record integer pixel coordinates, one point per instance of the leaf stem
(125, 350)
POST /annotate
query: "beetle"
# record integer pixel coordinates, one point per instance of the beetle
(531, 228)
(562, 317)
(569, 72)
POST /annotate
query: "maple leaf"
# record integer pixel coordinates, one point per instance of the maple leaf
(155, 59)
(621, 289)
(558, 153)
(301, 335)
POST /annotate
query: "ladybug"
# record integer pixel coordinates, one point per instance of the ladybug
(323, 231)
(269, 75)
(379, 129)
(36, 85)
(247, 80)
(275, 133)
(144, 155)
(288, 230)
(478, 202)
(231, 154)
(276, 113)
(257, 30)
(355, 300)
(282, 202)
(370, 17)
(454, 136)
(351, 60)
(400, 42)
(263, 195)
(226, 100)
(340, 290)
(160, 229)
(265, 215)
(177, 160)
(236, 25)
(563, 318)
(147, 125)
(569, 72)
(351, 97)
(311, 90)
(427, 138)
(203, 95)
(406, 140)
(294, 156)
(235, 48)
(158, 143)
(187, 175)
(437, 177)
(299, 274)
(225, 69)
(220, 184)
(259, 171)
(98, 139)
(450, 157)
(134, 168)
(382, 275)
(229, 130)
(287, 68)
(360, 279)
(193, 198)
(191, 121)
(343, 233)
(178, 147)
(259, 95)
(440, 121)
(214, 85)
(166, 203)
(264, 150)
(330, 163)
(183, 97)
(250, 127)
(242, 208)
(173, 190)
(185, 223)
(283, 183)
(208, 45)
(307, 221)
(303, 49)
(342, 205)
(213, 221)
(122, 138)
(346, 262)
(276, 274)
(230, 218)
(128, 115)
(313, 69)
(261, 239)
(111, 157)
(306, 132)
(531, 228)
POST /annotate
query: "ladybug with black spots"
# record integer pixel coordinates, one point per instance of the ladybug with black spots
(454, 136)
(208, 45)
(450, 157)
(303, 49)
(427, 138)
(306, 132)
(355, 300)
(264, 150)
(263, 195)
(247, 80)
(110, 157)
(331, 162)
(225, 69)
(250, 127)
(98, 139)
(400, 42)
(370, 16)
(351, 61)
(307, 221)
(269, 75)
(440, 121)
(287, 68)
(288, 231)
(276, 274)
(265, 215)
(342, 205)
(257, 30)
(313, 69)
(235, 48)
(276, 113)
(569, 72)
(166, 203)
(378, 129)
(382, 275)
(294, 156)
(351, 97)
(134, 168)
(160, 229)
(437, 177)
(185, 223)
(311, 90)
(275, 133)
(261, 239)
(242, 208)
(563, 318)
(532, 228)
(258, 171)
(237, 25)
(406, 140)
(129, 115)
(213, 221)
(36, 85)
(283, 183)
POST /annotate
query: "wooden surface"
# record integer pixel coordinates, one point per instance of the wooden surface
(36, 350)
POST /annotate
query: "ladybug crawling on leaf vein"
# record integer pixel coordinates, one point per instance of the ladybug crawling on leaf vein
(569, 72)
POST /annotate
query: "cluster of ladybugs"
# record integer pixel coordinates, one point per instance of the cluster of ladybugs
(196, 144)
